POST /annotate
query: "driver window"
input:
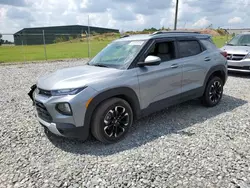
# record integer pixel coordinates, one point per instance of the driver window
(164, 50)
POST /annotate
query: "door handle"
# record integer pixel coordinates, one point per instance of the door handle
(174, 66)
(207, 59)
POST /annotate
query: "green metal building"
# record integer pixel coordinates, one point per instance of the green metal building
(36, 36)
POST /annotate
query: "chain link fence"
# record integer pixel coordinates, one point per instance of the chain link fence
(24, 47)
(52, 46)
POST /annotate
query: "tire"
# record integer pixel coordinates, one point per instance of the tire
(213, 92)
(112, 120)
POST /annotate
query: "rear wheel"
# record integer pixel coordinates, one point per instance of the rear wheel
(213, 92)
(112, 120)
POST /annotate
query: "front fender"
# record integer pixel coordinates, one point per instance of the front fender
(124, 92)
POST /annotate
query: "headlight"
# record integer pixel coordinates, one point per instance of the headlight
(66, 91)
(247, 56)
(64, 108)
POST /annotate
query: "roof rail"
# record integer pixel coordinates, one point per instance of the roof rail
(124, 36)
(163, 32)
(246, 32)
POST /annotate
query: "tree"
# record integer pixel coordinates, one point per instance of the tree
(1, 41)
(210, 26)
(152, 29)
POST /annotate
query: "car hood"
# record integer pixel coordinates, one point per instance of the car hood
(236, 49)
(75, 77)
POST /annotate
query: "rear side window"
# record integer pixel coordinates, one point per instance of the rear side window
(208, 44)
(189, 48)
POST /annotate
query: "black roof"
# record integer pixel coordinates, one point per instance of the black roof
(62, 26)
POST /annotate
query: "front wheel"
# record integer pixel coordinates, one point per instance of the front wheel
(112, 120)
(213, 92)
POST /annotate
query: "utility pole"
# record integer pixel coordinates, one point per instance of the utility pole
(88, 38)
(184, 25)
(176, 14)
(44, 44)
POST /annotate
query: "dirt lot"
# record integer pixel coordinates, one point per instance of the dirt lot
(184, 146)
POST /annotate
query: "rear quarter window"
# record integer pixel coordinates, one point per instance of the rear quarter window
(208, 44)
(189, 48)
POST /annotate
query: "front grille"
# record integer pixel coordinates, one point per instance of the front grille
(44, 92)
(43, 112)
(235, 57)
(240, 68)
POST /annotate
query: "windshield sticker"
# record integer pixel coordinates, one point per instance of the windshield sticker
(136, 43)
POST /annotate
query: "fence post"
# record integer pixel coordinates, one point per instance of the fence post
(89, 37)
(24, 58)
(88, 44)
(227, 37)
(44, 44)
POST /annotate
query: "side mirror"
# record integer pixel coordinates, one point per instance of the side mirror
(150, 61)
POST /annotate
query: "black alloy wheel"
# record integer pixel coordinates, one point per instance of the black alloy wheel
(213, 92)
(112, 120)
(116, 121)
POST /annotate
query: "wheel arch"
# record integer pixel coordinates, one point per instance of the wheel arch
(125, 93)
(219, 70)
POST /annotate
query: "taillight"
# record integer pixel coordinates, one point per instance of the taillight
(224, 54)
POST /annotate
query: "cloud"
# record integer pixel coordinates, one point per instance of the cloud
(18, 3)
(149, 7)
(125, 15)
(235, 20)
(94, 6)
(122, 14)
(16, 13)
(203, 22)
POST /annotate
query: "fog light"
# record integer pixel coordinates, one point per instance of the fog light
(64, 108)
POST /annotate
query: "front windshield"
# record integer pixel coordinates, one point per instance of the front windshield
(118, 54)
(240, 40)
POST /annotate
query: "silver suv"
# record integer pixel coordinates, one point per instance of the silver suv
(238, 53)
(129, 79)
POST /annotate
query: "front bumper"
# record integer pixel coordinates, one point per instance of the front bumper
(71, 126)
(239, 66)
(65, 130)
(50, 126)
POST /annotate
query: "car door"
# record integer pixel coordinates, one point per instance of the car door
(161, 81)
(193, 59)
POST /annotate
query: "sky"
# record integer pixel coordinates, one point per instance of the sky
(123, 14)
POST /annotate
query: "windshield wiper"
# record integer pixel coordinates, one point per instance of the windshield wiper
(230, 44)
(246, 45)
(100, 65)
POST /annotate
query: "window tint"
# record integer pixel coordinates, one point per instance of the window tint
(164, 50)
(118, 54)
(208, 44)
(240, 40)
(245, 40)
(189, 48)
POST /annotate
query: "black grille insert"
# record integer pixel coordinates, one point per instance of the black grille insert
(235, 57)
(43, 112)
(240, 68)
(44, 92)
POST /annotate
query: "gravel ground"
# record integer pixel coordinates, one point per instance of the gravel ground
(184, 146)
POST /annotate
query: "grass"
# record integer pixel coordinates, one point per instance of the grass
(62, 50)
(221, 40)
(54, 51)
